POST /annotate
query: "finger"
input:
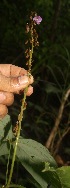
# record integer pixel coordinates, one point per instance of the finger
(3, 110)
(30, 91)
(6, 98)
(14, 84)
(10, 70)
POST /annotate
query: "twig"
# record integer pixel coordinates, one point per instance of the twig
(60, 140)
(57, 121)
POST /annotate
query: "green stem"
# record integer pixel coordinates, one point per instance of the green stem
(17, 138)
(8, 163)
(14, 156)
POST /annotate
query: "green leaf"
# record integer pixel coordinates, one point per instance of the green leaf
(32, 155)
(64, 176)
(51, 176)
(5, 128)
(53, 179)
(4, 149)
(36, 151)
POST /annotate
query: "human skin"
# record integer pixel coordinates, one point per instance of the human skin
(13, 80)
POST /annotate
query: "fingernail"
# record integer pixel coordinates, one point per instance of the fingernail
(23, 80)
(2, 97)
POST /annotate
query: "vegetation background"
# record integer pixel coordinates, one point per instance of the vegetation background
(51, 69)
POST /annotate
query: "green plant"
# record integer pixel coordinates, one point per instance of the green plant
(33, 156)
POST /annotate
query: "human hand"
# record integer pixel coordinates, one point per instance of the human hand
(13, 79)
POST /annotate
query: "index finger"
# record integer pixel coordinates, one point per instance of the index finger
(10, 70)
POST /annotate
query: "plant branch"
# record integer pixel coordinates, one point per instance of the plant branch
(57, 121)
(60, 140)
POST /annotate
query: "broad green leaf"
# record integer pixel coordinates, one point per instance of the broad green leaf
(32, 155)
(5, 128)
(36, 151)
(64, 176)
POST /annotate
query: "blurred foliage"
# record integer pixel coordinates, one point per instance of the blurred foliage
(51, 66)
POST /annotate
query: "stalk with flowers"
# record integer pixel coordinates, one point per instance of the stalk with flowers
(31, 42)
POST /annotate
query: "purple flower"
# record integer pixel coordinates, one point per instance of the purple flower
(37, 19)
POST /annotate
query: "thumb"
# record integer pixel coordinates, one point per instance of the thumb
(14, 84)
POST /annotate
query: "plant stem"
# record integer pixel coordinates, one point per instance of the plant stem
(53, 133)
(17, 138)
(8, 163)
